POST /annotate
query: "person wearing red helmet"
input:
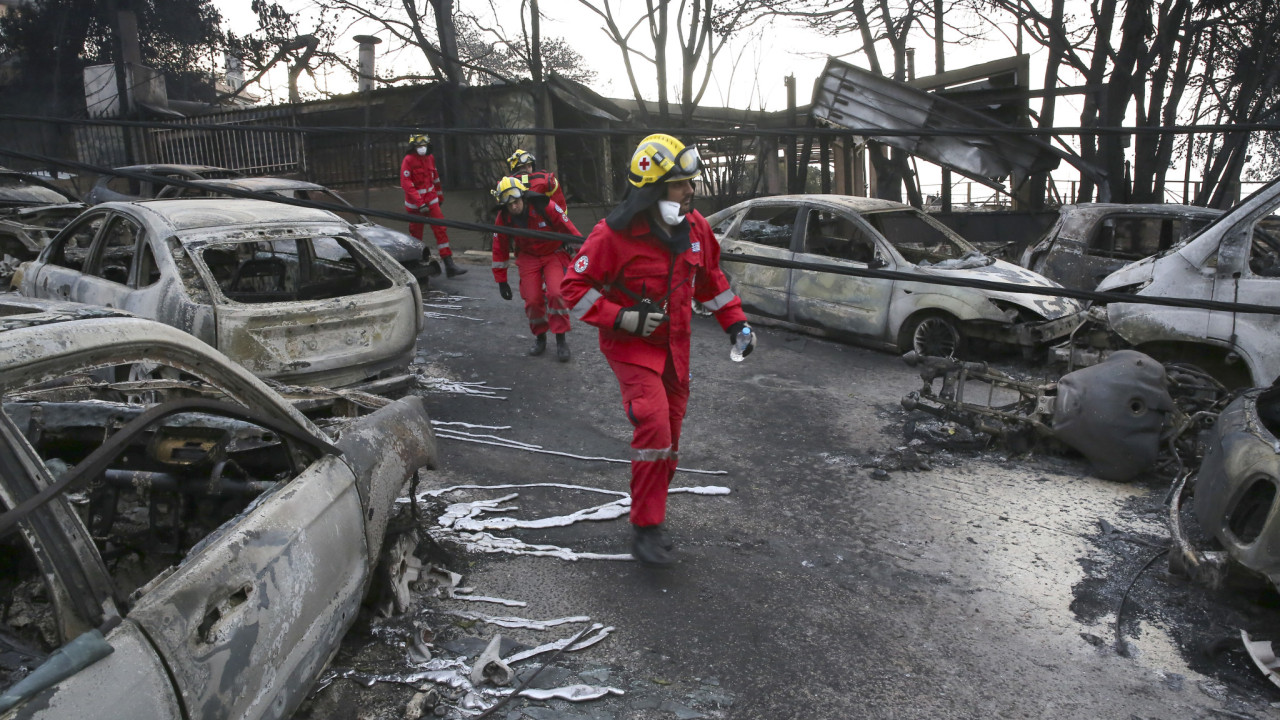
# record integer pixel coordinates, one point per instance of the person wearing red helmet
(635, 279)
(423, 196)
(541, 262)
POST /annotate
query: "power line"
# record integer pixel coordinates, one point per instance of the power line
(1086, 295)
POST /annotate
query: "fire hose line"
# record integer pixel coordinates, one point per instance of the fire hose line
(1089, 295)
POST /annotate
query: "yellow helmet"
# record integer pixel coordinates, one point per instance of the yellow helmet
(518, 158)
(418, 140)
(662, 158)
(508, 189)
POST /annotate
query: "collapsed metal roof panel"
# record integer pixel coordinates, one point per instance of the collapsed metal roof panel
(849, 97)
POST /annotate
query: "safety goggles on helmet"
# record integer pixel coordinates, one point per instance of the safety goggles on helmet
(662, 158)
(518, 158)
(508, 189)
(418, 140)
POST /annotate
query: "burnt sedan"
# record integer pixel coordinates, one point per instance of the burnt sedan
(860, 233)
(117, 188)
(179, 548)
(404, 248)
(31, 212)
(1091, 241)
(290, 293)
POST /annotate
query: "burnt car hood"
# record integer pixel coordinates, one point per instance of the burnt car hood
(1048, 306)
(398, 245)
(1135, 274)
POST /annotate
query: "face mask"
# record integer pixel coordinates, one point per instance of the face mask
(422, 151)
(670, 212)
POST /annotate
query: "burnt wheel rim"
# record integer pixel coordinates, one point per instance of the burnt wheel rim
(935, 336)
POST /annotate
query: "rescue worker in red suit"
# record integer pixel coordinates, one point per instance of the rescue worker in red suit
(636, 278)
(541, 262)
(540, 181)
(423, 196)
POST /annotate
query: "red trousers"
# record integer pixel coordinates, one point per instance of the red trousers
(540, 277)
(655, 404)
(440, 231)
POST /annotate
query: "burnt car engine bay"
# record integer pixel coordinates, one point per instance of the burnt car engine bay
(170, 462)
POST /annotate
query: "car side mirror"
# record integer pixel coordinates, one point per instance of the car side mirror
(877, 262)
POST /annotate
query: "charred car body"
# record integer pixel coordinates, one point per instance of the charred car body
(184, 548)
(290, 293)
(118, 188)
(1235, 259)
(853, 232)
(1091, 241)
(31, 212)
(404, 248)
(1234, 493)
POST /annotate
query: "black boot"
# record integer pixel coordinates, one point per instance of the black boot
(450, 269)
(539, 345)
(664, 538)
(646, 547)
(562, 348)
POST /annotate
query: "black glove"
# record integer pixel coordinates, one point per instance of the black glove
(504, 290)
(640, 320)
(735, 329)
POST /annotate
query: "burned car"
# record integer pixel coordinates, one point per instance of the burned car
(1234, 493)
(859, 233)
(1234, 259)
(290, 293)
(117, 188)
(404, 248)
(181, 548)
(1091, 241)
(31, 212)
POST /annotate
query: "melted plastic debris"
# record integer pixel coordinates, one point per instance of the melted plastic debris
(454, 387)
(572, 693)
(464, 594)
(486, 543)
(598, 632)
(441, 671)
(517, 622)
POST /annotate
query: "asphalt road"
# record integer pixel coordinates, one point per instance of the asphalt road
(812, 589)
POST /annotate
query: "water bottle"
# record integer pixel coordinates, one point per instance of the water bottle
(740, 344)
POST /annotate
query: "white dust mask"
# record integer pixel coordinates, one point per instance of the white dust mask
(422, 151)
(670, 211)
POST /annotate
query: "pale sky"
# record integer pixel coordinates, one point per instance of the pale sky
(763, 58)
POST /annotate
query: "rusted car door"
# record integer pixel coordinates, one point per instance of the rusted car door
(105, 278)
(839, 302)
(765, 230)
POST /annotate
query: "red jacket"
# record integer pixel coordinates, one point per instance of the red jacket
(544, 182)
(552, 218)
(638, 261)
(419, 179)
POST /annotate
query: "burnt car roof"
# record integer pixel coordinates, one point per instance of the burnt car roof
(193, 213)
(196, 171)
(846, 202)
(260, 183)
(1171, 209)
(18, 312)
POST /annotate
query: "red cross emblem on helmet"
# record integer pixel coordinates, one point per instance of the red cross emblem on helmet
(644, 164)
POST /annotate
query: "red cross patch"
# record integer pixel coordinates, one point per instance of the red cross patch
(644, 164)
